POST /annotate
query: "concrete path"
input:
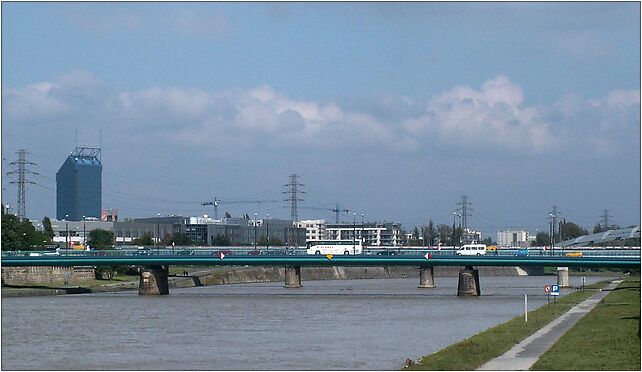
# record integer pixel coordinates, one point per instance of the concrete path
(523, 355)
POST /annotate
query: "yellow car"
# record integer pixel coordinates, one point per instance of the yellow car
(574, 254)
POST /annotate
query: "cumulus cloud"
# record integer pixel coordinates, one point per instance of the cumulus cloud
(493, 117)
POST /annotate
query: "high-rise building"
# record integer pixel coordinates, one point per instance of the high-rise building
(79, 185)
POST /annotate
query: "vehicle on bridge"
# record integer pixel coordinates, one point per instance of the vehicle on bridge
(471, 250)
(345, 247)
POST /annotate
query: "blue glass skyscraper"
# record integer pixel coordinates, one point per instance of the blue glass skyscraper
(79, 185)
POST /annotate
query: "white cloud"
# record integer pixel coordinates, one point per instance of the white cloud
(493, 118)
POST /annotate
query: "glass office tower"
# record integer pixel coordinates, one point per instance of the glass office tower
(79, 184)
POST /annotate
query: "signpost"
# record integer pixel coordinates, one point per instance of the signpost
(555, 291)
(547, 290)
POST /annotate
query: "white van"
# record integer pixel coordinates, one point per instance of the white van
(471, 250)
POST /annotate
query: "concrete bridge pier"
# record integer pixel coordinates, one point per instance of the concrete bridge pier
(426, 277)
(562, 277)
(153, 281)
(468, 282)
(293, 277)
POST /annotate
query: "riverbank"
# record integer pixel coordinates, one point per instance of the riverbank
(473, 352)
(204, 276)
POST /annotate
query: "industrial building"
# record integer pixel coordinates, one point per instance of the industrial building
(78, 185)
(201, 230)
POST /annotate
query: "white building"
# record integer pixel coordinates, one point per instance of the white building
(513, 238)
(372, 234)
(314, 229)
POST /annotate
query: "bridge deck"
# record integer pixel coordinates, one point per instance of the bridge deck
(304, 260)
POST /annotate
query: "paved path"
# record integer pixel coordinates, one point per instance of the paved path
(523, 355)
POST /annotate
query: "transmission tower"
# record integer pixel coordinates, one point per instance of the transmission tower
(22, 180)
(465, 211)
(294, 199)
(605, 219)
(294, 196)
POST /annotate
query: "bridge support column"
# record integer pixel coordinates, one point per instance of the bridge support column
(468, 282)
(153, 281)
(426, 277)
(293, 277)
(562, 277)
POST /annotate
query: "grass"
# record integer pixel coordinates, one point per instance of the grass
(608, 338)
(471, 353)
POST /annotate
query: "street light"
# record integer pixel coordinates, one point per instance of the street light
(66, 231)
(363, 237)
(354, 231)
(157, 240)
(84, 234)
(255, 231)
(267, 238)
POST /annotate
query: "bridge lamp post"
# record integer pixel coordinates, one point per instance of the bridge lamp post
(267, 238)
(255, 230)
(354, 232)
(84, 236)
(157, 240)
(363, 237)
(66, 231)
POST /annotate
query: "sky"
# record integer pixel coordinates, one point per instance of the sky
(390, 110)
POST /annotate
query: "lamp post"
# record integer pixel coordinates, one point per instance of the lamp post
(66, 232)
(552, 232)
(354, 231)
(157, 240)
(84, 236)
(255, 231)
(363, 237)
(267, 238)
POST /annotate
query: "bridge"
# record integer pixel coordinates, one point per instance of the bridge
(155, 262)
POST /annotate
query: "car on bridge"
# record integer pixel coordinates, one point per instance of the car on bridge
(573, 254)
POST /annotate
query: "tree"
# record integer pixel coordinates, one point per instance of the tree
(181, 239)
(430, 231)
(101, 239)
(221, 240)
(146, 239)
(569, 230)
(48, 233)
(444, 232)
(274, 242)
(541, 239)
(20, 235)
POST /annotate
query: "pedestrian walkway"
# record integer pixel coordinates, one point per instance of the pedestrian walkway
(523, 355)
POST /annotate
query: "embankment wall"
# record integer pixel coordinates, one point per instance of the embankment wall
(277, 274)
(22, 275)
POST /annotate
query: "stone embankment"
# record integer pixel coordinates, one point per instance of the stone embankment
(277, 274)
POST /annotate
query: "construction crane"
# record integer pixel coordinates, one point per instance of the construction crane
(336, 211)
(216, 202)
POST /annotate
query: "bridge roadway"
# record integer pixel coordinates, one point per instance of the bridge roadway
(156, 262)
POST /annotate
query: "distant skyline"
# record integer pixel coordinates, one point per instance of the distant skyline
(393, 110)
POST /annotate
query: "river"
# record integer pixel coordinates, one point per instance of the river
(326, 325)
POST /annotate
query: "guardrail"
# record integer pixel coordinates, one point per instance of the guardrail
(203, 252)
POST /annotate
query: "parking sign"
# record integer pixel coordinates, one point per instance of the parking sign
(555, 290)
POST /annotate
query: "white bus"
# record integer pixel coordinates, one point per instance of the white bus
(471, 250)
(345, 247)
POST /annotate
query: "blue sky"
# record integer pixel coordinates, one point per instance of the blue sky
(392, 110)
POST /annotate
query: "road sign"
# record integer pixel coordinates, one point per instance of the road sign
(329, 256)
(547, 288)
(555, 290)
(221, 255)
(428, 256)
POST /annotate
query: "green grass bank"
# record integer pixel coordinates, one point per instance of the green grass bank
(471, 353)
(606, 339)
